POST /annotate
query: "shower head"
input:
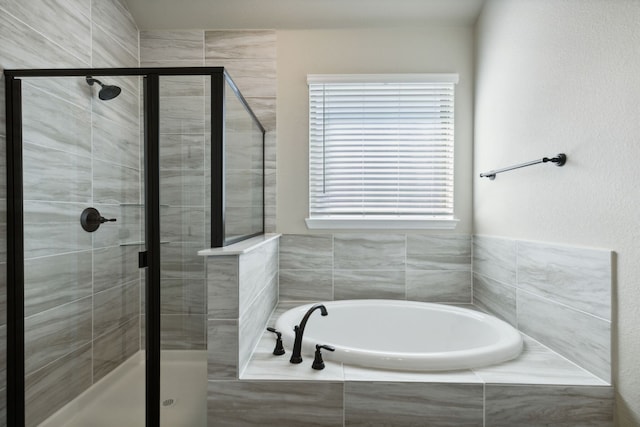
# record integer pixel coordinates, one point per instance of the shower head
(106, 91)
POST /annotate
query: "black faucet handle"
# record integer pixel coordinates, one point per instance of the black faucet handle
(318, 363)
(279, 348)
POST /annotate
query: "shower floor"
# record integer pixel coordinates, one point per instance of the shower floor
(117, 400)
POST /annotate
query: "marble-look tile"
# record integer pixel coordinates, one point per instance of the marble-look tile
(113, 348)
(510, 405)
(270, 187)
(265, 366)
(56, 332)
(125, 108)
(496, 298)
(358, 373)
(3, 406)
(256, 78)
(3, 162)
(3, 232)
(265, 111)
(412, 404)
(165, 45)
(50, 388)
(369, 252)
(114, 307)
(306, 251)
(222, 287)
(183, 332)
(243, 221)
(3, 294)
(272, 254)
(22, 47)
(70, 29)
(577, 277)
(182, 296)
(128, 227)
(537, 365)
(182, 224)
(164, 63)
(115, 184)
(251, 277)
(182, 115)
(182, 187)
(182, 152)
(495, 258)
(425, 252)
(252, 324)
(73, 90)
(182, 85)
(181, 260)
(53, 228)
(240, 44)
(222, 360)
(50, 122)
(56, 280)
(309, 404)
(116, 142)
(107, 53)
(53, 175)
(244, 188)
(582, 338)
(439, 286)
(306, 285)
(365, 284)
(3, 357)
(115, 266)
(113, 16)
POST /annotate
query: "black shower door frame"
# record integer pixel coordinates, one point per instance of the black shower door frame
(150, 257)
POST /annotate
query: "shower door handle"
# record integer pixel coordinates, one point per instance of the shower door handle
(90, 219)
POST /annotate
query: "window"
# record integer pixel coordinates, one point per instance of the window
(381, 151)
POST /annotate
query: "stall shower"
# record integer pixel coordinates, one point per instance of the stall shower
(116, 178)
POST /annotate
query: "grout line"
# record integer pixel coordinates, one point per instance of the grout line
(564, 305)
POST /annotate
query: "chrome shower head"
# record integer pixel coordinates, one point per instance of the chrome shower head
(106, 91)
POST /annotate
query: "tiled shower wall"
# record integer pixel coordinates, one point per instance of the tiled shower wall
(78, 152)
(433, 268)
(559, 295)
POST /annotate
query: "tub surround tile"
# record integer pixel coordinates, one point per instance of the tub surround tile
(56, 280)
(222, 361)
(114, 347)
(580, 337)
(359, 284)
(357, 373)
(306, 285)
(167, 45)
(364, 252)
(439, 286)
(384, 404)
(56, 332)
(222, 287)
(537, 365)
(446, 252)
(495, 258)
(577, 277)
(548, 405)
(496, 298)
(53, 386)
(312, 404)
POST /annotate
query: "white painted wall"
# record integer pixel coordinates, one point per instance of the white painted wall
(564, 76)
(393, 50)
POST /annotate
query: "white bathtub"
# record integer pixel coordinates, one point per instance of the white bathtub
(403, 335)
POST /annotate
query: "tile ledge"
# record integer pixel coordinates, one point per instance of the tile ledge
(240, 247)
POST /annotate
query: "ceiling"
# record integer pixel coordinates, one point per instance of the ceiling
(300, 14)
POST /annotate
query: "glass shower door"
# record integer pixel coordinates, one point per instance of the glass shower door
(82, 307)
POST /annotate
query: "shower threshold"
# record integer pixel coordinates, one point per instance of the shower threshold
(118, 399)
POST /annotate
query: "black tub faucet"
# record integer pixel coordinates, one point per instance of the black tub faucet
(296, 357)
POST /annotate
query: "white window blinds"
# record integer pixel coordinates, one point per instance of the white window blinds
(381, 146)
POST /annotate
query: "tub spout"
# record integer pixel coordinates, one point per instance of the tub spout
(296, 357)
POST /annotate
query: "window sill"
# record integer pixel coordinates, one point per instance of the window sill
(434, 223)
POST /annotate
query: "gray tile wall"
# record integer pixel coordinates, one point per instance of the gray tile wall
(242, 292)
(78, 152)
(394, 266)
(559, 295)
